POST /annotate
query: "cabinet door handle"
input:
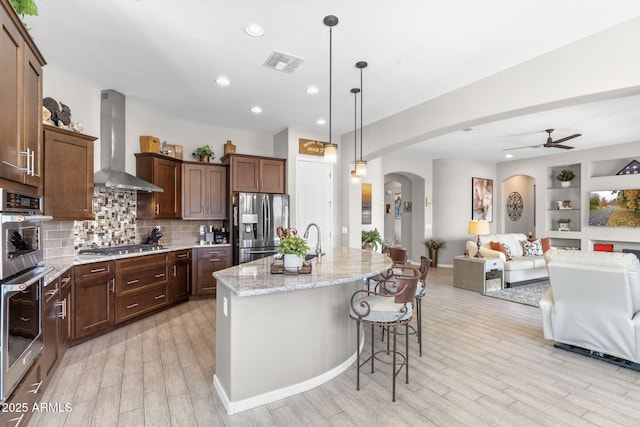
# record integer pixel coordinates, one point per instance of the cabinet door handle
(37, 387)
(175, 271)
(52, 293)
(159, 296)
(131, 282)
(132, 305)
(159, 275)
(214, 259)
(98, 270)
(157, 208)
(183, 255)
(113, 285)
(33, 163)
(25, 319)
(65, 280)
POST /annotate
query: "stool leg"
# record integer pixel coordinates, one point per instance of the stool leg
(419, 309)
(393, 394)
(358, 356)
(406, 349)
(372, 358)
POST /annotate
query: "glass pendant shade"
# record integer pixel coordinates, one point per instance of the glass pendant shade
(361, 167)
(330, 153)
(354, 177)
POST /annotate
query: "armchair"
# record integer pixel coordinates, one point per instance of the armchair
(593, 302)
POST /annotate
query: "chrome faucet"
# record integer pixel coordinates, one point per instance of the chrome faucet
(318, 244)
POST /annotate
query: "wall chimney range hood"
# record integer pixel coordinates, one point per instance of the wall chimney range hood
(112, 147)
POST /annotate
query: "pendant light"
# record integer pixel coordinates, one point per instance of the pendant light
(361, 165)
(330, 149)
(354, 176)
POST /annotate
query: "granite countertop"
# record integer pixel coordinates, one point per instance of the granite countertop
(62, 264)
(340, 265)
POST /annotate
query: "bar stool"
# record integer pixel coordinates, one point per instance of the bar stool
(399, 256)
(388, 311)
(390, 286)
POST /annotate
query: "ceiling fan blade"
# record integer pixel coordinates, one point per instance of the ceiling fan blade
(519, 148)
(556, 145)
(566, 138)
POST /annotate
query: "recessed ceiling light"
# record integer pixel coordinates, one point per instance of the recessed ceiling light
(468, 129)
(254, 30)
(321, 122)
(223, 81)
(312, 90)
(256, 110)
(508, 156)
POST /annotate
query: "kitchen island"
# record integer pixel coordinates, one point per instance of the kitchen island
(279, 334)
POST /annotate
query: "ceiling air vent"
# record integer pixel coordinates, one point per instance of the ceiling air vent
(283, 62)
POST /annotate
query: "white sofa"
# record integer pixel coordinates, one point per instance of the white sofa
(593, 302)
(521, 268)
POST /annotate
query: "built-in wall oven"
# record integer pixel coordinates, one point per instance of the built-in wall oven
(21, 279)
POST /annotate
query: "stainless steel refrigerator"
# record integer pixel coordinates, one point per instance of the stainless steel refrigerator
(256, 217)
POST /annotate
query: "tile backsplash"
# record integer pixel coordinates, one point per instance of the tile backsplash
(115, 224)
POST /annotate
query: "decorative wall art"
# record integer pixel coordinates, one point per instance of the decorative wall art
(397, 211)
(632, 167)
(407, 206)
(482, 199)
(366, 203)
(514, 206)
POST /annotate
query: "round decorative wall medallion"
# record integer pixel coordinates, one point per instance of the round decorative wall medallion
(514, 206)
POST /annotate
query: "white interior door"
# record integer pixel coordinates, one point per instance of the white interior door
(314, 201)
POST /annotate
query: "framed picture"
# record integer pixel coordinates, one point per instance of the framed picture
(397, 206)
(482, 199)
(366, 203)
(407, 206)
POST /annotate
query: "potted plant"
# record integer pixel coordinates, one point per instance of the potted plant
(25, 7)
(432, 246)
(203, 153)
(294, 249)
(371, 239)
(565, 176)
(563, 224)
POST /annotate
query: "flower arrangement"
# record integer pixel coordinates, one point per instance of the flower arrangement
(204, 151)
(434, 243)
(293, 245)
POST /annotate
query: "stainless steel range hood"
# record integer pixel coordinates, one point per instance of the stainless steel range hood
(112, 147)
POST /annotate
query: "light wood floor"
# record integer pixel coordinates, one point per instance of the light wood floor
(485, 362)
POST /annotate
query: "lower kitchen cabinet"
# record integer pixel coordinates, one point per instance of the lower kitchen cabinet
(142, 285)
(206, 261)
(50, 325)
(180, 275)
(93, 298)
(20, 404)
(65, 311)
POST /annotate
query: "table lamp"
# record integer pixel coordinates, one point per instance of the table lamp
(478, 227)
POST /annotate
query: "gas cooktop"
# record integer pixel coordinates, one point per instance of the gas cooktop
(120, 250)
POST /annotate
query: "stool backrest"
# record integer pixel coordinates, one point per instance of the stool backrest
(425, 263)
(398, 255)
(406, 286)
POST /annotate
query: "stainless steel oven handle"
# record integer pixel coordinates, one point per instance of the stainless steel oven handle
(13, 287)
(25, 218)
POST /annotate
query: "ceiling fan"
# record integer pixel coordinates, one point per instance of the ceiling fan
(550, 142)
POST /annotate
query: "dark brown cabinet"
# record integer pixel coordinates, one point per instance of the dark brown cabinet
(93, 298)
(65, 312)
(204, 191)
(68, 190)
(21, 104)
(19, 405)
(50, 325)
(206, 261)
(142, 285)
(166, 173)
(253, 174)
(180, 275)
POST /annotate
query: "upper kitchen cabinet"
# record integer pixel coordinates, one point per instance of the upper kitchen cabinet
(20, 103)
(204, 191)
(166, 173)
(68, 190)
(253, 174)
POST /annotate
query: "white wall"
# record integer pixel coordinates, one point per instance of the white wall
(84, 102)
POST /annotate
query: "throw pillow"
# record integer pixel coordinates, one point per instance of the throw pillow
(532, 248)
(546, 245)
(502, 247)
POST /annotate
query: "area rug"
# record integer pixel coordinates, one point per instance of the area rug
(526, 294)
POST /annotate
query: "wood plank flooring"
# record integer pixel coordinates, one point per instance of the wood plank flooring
(484, 362)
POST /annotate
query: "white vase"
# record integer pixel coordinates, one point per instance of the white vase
(292, 262)
(565, 184)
